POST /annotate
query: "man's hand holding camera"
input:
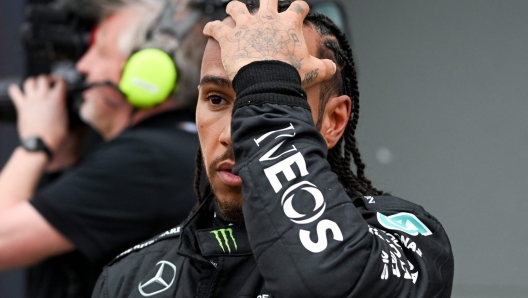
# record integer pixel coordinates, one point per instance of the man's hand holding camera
(41, 110)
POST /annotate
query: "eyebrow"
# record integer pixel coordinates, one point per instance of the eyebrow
(220, 81)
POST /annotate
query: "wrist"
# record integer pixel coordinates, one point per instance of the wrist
(35, 144)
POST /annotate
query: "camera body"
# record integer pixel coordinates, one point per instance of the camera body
(55, 35)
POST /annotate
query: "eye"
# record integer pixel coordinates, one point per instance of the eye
(215, 97)
(216, 100)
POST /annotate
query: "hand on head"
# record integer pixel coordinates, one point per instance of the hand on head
(268, 35)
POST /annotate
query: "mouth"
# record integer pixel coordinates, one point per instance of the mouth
(225, 173)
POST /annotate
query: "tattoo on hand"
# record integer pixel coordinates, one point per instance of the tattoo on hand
(311, 76)
(296, 63)
(297, 8)
(268, 39)
(265, 42)
(269, 18)
(295, 39)
(240, 55)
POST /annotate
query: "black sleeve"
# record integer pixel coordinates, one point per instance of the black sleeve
(308, 237)
(126, 191)
(101, 287)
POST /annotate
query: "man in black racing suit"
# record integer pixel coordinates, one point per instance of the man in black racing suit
(307, 226)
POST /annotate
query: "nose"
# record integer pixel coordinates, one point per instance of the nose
(225, 135)
(84, 63)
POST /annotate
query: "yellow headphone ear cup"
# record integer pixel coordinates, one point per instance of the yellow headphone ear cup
(149, 76)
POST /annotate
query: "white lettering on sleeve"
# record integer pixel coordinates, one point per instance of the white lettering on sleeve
(284, 166)
(322, 226)
(262, 138)
(268, 155)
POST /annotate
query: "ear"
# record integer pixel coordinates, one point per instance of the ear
(335, 119)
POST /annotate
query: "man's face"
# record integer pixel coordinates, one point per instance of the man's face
(213, 118)
(104, 61)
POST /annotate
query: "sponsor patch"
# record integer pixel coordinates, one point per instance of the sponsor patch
(160, 282)
(221, 235)
(404, 222)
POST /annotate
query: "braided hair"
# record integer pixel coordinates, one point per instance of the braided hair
(335, 47)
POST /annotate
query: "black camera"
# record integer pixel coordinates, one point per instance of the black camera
(54, 36)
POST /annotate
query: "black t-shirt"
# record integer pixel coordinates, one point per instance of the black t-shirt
(129, 189)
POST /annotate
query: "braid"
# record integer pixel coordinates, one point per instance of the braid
(198, 181)
(344, 174)
(198, 160)
(346, 150)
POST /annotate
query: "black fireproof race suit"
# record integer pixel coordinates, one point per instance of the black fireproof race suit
(303, 236)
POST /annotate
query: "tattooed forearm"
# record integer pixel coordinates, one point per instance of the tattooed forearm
(310, 77)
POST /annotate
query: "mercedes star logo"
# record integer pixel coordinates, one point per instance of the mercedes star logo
(146, 290)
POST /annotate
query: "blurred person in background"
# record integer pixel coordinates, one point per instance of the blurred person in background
(141, 70)
(283, 214)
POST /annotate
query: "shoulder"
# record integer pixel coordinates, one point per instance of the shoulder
(167, 239)
(145, 145)
(159, 143)
(388, 204)
(396, 214)
(413, 228)
(168, 133)
(138, 265)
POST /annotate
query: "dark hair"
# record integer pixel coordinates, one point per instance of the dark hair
(334, 46)
(198, 181)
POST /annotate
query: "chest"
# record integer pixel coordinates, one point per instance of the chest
(179, 277)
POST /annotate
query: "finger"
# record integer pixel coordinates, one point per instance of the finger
(322, 70)
(15, 94)
(59, 88)
(301, 8)
(213, 29)
(329, 69)
(29, 84)
(270, 5)
(238, 11)
(42, 83)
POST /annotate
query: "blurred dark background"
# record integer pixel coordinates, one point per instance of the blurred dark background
(443, 106)
(11, 65)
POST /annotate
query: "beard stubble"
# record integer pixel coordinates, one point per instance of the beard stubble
(230, 203)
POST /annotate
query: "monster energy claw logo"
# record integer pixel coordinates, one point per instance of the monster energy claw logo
(223, 232)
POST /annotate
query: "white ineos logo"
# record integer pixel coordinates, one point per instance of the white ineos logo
(147, 291)
(285, 169)
(287, 203)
